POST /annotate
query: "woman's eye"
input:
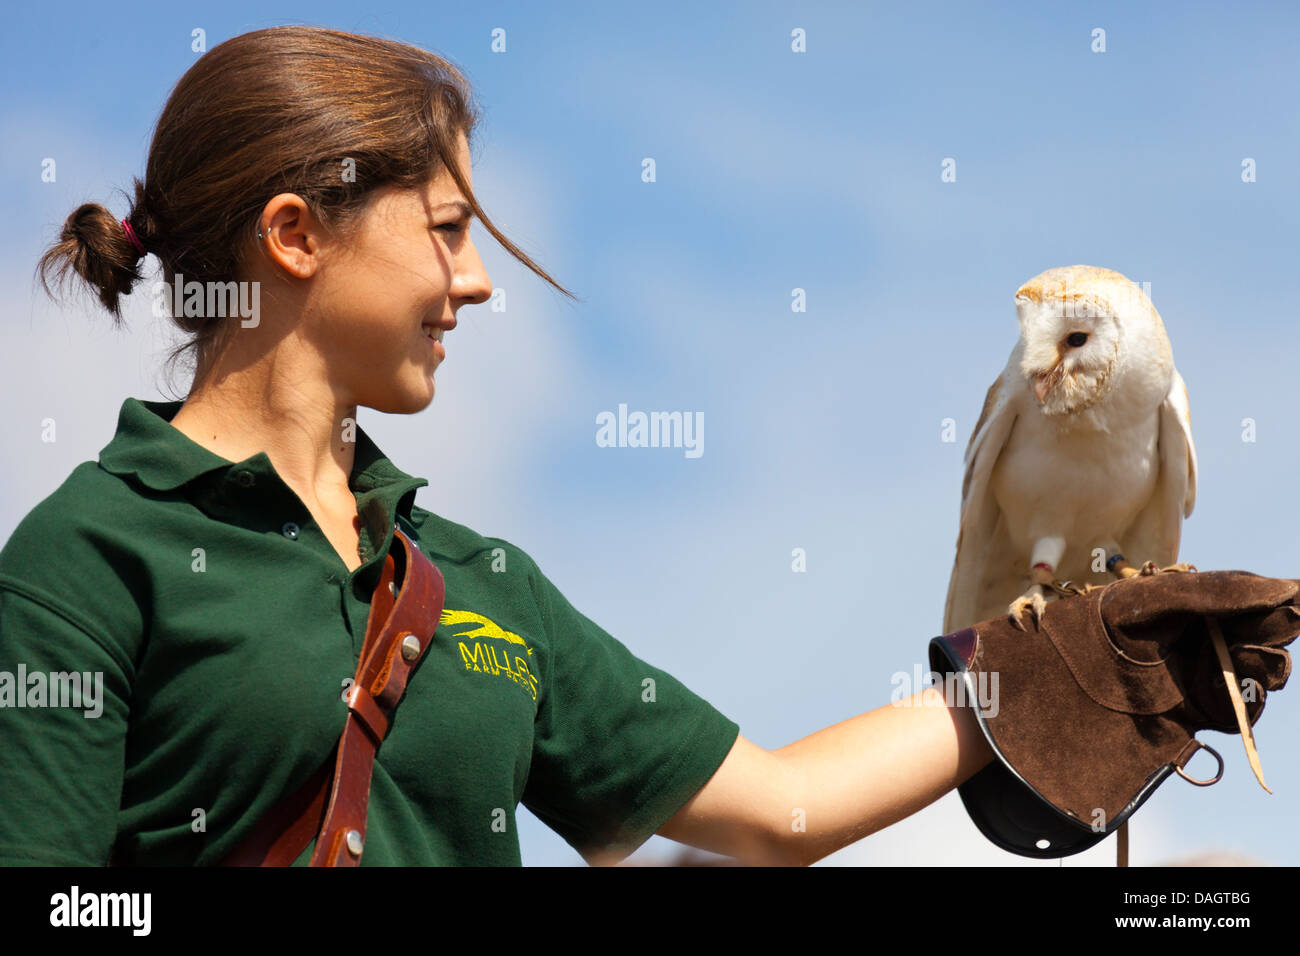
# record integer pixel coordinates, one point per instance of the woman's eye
(455, 228)
(1075, 339)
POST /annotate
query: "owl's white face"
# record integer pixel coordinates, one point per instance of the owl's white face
(1070, 351)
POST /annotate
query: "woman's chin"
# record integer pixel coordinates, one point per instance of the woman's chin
(406, 402)
(420, 402)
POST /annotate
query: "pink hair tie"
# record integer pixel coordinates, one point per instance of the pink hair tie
(135, 240)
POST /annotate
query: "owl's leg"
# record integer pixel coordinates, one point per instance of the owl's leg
(1044, 558)
(1118, 565)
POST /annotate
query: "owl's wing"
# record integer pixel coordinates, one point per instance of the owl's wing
(984, 554)
(1156, 531)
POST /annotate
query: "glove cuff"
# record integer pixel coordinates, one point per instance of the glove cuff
(1069, 770)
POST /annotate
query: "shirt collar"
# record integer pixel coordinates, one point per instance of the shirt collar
(162, 457)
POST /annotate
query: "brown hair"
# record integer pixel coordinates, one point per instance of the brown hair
(266, 112)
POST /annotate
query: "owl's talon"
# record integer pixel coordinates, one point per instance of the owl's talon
(1151, 568)
(1069, 588)
(1033, 598)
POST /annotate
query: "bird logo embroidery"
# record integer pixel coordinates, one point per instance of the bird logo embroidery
(486, 627)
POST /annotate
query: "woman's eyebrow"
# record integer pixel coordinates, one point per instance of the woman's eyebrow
(460, 204)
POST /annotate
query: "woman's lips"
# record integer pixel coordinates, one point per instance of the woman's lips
(434, 337)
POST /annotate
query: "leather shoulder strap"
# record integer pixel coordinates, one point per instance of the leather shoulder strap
(332, 805)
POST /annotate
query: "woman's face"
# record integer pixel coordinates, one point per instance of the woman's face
(377, 307)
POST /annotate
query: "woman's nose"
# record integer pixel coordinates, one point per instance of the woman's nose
(474, 285)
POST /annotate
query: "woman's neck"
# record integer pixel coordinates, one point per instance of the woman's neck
(306, 431)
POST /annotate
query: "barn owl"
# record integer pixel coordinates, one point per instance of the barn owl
(1082, 459)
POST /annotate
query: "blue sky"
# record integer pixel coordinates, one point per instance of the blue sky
(775, 171)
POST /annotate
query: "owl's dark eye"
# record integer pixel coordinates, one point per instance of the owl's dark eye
(1075, 339)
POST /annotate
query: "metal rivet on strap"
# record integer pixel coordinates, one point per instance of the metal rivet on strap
(410, 647)
(354, 842)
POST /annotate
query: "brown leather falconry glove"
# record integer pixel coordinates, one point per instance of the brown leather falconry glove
(1089, 713)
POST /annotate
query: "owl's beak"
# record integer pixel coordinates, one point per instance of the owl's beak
(1044, 382)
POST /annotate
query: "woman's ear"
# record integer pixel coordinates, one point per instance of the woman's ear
(290, 235)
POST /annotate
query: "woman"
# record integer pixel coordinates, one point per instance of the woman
(309, 194)
(216, 565)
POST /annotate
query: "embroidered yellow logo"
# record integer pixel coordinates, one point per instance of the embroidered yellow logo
(486, 627)
(482, 657)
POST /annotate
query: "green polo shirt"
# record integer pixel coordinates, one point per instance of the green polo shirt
(219, 625)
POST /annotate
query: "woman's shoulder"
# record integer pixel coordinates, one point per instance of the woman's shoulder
(88, 497)
(483, 562)
(64, 554)
(459, 543)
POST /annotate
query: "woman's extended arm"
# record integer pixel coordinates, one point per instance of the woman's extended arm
(817, 795)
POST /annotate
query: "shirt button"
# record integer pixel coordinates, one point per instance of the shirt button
(245, 478)
(290, 531)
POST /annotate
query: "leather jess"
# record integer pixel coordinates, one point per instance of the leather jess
(331, 806)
